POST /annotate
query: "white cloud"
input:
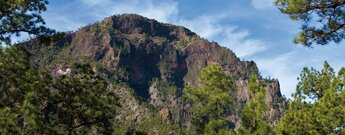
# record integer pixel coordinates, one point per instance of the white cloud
(262, 4)
(288, 65)
(84, 12)
(159, 10)
(94, 2)
(64, 23)
(234, 38)
(205, 26)
(240, 42)
(284, 67)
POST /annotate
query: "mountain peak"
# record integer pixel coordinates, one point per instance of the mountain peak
(155, 59)
(137, 24)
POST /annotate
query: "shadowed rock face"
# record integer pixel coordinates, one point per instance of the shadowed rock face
(137, 50)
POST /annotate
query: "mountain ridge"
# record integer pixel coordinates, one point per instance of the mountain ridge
(156, 60)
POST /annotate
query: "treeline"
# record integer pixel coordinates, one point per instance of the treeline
(34, 102)
(81, 102)
(317, 106)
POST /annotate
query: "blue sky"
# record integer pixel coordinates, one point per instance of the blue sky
(253, 29)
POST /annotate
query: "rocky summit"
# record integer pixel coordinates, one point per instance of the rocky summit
(148, 63)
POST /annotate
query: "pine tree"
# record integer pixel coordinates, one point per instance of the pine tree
(326, 114)
(18, 16)
(36, 103)
(323, 20)
(19, 95)
(81, 103)
(211, 100)
(253, 117)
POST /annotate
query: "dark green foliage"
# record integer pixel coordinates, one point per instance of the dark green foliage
(297, 120)
(35, 103)
(314, 84)
(165, 87)
(182, 44)
(323, 116)
(22, 16)
(16, 75)
(152, 124)
(253, 117)
(40, 60)
(166, 66)
(211, 100)
(133, 132)
(218, 127)
(117, 75)
(19, 94)
(323, 20)
(161, 40)
(81, 103)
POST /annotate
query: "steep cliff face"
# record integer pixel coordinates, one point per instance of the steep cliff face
(154, 59)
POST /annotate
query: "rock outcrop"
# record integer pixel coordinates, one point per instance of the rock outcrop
(156, 60)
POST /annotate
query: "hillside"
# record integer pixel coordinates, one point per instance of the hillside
(148, 63)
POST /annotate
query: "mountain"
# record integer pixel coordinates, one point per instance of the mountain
(148, 63)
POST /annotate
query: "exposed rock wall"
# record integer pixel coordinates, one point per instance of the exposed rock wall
(141, 50)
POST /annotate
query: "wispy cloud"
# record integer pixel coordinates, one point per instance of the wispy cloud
(65, 18)
(159, 10)
(282, 67)
(94, 2)
(287, 66)
(233, 37)
(240, 42)
(262, 4)
(208, 26)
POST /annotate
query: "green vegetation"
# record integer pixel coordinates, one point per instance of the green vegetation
(166, 65)
(253, 117)
(182, 44)
(20, 90)
(153, 124)
(81, 103)
(326, 114)
(211, 100)
(84, 101)
(35, 103)
(18, 16)
(323, 20)
(160, 40)
(164, 86)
